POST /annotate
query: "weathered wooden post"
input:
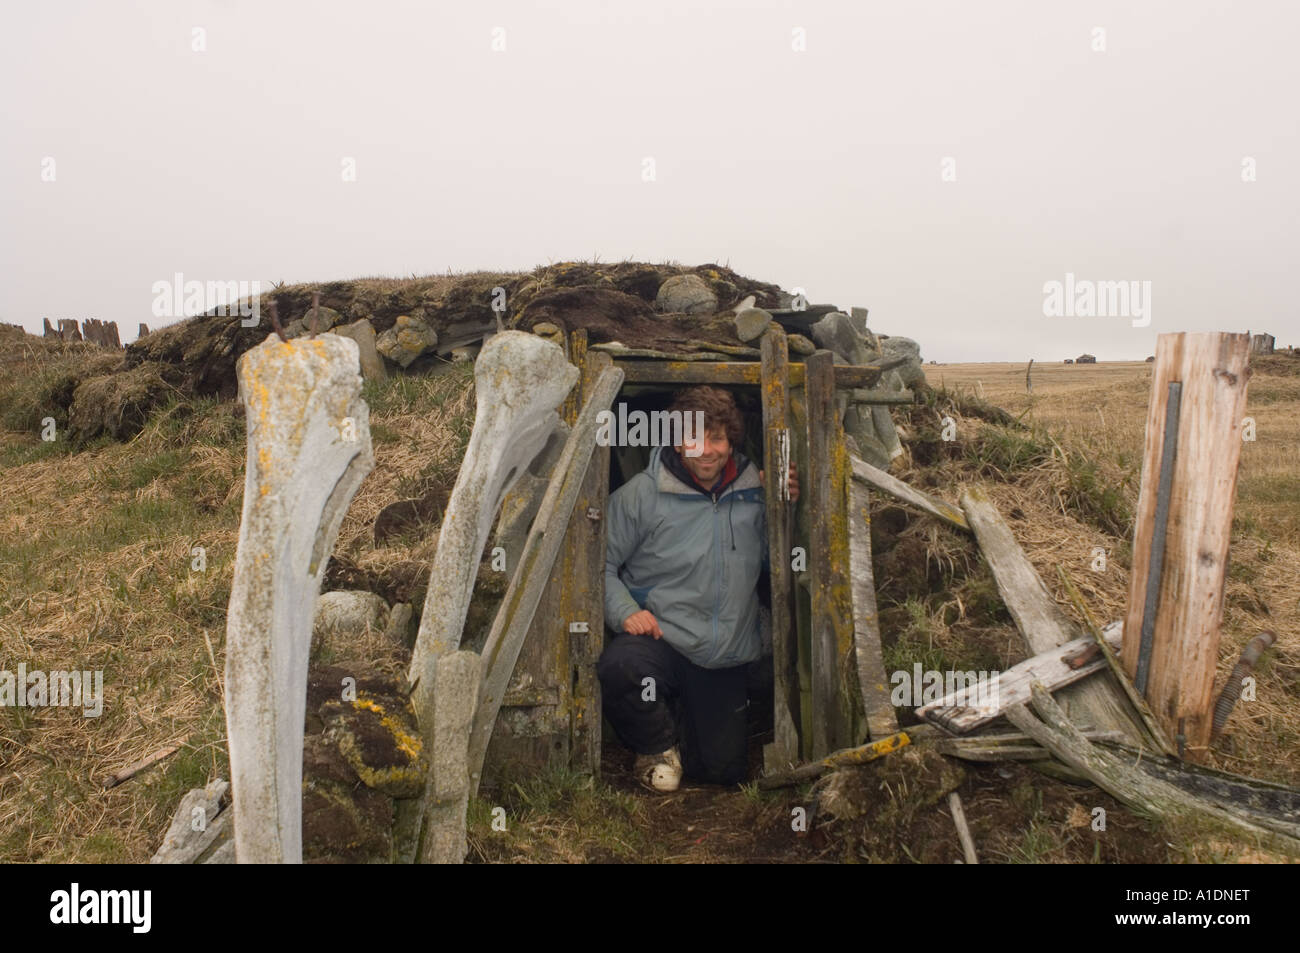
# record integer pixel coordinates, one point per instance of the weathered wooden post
(308, 451)
(1184, 521)
(784, 749)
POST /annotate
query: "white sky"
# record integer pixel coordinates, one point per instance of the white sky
(818, 169)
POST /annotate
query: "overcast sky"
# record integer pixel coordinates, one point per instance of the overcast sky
(800, 143)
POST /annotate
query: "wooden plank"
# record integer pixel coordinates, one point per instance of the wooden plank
(1042, 624)
(1118, 775)
(535, 566)
(829, 724)
(970, 707)
(585, 579)
(638, 371)
(872, 679)
(864, 472)
(1212, 369)
(882, 396)
(784, 748)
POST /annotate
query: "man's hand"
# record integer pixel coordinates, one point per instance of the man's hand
(793, 483)
(642, 623)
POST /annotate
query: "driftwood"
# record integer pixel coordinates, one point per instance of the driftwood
(1005, 746)
(127, 773)
(970, 707)
(873, 476)
(1118, 775)
(963, 831)
(836, 759)
(1040, 620)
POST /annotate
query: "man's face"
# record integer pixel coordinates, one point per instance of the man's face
(713, 449)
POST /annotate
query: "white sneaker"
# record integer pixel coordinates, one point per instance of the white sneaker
(659, 772)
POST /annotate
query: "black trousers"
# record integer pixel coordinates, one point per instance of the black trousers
(703, 711)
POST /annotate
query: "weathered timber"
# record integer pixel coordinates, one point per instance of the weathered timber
(1007, 746)
(1118, 775)
(969, 707)
(831, 724)
(697, 371)
(784, 748)
(1040, 620)
(963, 830)
(584, 570)
(516, 614)
(887, 397)
(872, 680)
(864, 472)
(127, 773)
(1152, 730)
(862, 754)
(1212, 369)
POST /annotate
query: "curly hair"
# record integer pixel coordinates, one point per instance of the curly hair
(719, 407)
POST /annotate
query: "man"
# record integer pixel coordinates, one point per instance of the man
(686, 541)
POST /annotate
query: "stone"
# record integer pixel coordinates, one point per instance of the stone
(183, 844)
(400, 630)
(407, 339)
(801, 345)
(745, 304)
(363, 332)
(49, 328)
(344, 619)
(144, 330)
(686, 294)
(550, 332)
(859, 318)
(68, 329)
(751, 323)
(835, 332)
(308, 451)
(895, 347)
(465, 354)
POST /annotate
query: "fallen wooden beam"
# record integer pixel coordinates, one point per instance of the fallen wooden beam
(873, 476)
(1006, 746)
(970, 706)
(1042, 624)
(1114, 774)
(127, 773)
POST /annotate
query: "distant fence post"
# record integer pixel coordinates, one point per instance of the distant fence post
(1184, 520)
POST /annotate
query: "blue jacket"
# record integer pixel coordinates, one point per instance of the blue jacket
(691, 558)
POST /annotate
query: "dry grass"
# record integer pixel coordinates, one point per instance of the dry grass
(1098, 412)
(96, 555)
